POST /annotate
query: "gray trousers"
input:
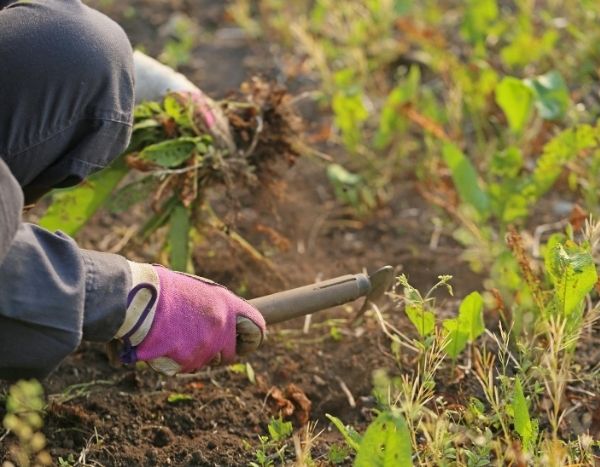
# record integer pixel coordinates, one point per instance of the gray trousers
(66, 100)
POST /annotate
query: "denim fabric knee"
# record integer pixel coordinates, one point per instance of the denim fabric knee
(66, 92)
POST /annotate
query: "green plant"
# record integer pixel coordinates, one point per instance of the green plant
(273, 446)
(385, 443)
(459, 331)
(176, 162)
(24, 410)
(337, 454)
(514, 371)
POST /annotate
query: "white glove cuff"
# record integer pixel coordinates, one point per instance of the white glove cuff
(153, 79)
(143, 299)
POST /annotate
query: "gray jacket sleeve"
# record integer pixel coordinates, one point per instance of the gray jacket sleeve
(52, 294)
(11, 205)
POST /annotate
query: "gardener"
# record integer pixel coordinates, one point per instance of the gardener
(66, 99)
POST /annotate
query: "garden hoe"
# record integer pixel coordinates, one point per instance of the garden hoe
(289, 304)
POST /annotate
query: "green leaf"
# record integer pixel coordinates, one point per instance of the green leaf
(146, 110)
(178, 238)
(178, 398)
(350, 435)
(465, 179)
(350, 188)
(573, 274)
(515, 99)
(73, 207)
(422, 319)
(145, 124)
(457, 337)
(176, 111)
(551, 95)
(280, 430)
(131, 194)
(470, 315)
(524, 426)
(386, 443)
(170, 153)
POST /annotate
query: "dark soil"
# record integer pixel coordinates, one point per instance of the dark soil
(123, 416)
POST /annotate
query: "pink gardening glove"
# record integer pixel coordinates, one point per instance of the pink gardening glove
(180, 323)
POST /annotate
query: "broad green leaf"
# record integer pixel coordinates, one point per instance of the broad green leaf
(524, 426)
(465, 179)
(73, 207)
(386, 443)
(350, 435)
(179, 238)
(422, 319)
(470, 315)
(170, 153)
(573, 274)
(280, 430)
(551, 95)
(457, 337)
(132, 193)
(516, 101)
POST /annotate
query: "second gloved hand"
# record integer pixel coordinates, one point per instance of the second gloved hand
(179, 323)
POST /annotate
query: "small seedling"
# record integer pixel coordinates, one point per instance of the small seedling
(178, 398)
(273, 446)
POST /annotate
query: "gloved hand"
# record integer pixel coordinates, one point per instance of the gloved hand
(153, 80)
(180, 323)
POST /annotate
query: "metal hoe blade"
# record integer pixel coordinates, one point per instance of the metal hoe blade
(381, 281)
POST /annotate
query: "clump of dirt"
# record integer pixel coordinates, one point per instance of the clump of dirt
(269, 127)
